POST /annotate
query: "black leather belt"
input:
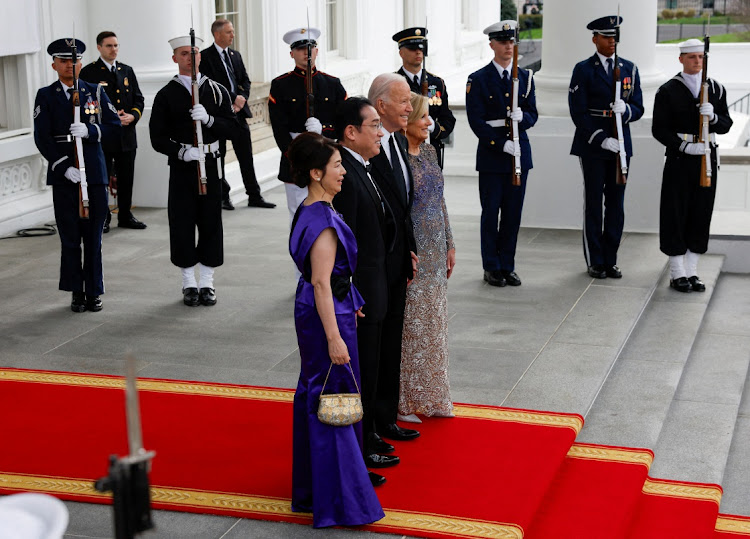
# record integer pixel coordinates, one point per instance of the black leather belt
(601, 113)
(63, 138)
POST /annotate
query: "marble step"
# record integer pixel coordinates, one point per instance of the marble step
(634, 402)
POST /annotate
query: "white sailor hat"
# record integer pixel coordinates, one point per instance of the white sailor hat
(300, 37)
(32, 516)
(691, 45)
(184, 41)
(502, 31)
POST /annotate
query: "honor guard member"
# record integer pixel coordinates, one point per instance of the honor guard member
(54, 134)
(412, 48)
(119, 81)
(488, 108)
(590, 100)
(172, 130)
(686, 207)
(287, 105)
(224, 65)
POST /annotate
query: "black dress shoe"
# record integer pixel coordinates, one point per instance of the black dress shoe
(226, 204)
(105, 228)
(494, 278)
(511, 278)
(598, 272)
(681, 284)
(378, 445)
(130, 222)
(696, 284)
(260, 203)
(614, 272)
(94, 303)
(394, 432)
(190, 297)
(381, 461)
(375, 479)
(208, 296)
(78, 304)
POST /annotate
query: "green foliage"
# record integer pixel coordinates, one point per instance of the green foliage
(679, 14)
(530, 21)
(508, 10)
(690, 13)
(667, 14)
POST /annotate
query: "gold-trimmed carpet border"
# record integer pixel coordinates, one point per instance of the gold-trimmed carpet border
(681, 490)
(520, 416)
(403, 521)
(733, 525)
(610, 454)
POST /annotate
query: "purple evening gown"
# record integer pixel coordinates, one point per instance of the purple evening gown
(329, 476)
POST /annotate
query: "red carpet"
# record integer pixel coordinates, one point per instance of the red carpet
(225, 449)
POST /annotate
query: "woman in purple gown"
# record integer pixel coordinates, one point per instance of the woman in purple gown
(329, 477)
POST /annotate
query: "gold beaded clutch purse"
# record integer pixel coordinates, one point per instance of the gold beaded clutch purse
(340, 409)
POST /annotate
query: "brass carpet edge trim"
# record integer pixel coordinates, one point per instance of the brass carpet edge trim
(394, 520)
(678, 490)
(733, 525)
(207, 389)
(529, 417)
(610, 454)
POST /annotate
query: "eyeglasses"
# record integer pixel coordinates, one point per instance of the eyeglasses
(376, 127)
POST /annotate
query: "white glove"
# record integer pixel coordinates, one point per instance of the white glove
(509, 147)
(199, 113)
(515, 115)
(313, 125)
(431, 128)
(611, 144)
(707, 109)
(294, 135)
(694, 148)
(79, 130)
(73, 174)
(191, 154)
(618, 107)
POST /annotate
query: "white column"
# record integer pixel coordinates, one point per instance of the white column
(143, 29)
(566, 41)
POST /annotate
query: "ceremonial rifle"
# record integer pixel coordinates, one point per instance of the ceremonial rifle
(514, 134)
(310, 99)
(78, 160)
(705, 178)
(622, 168)
(128, 476)
(197, 126)
(425, 84)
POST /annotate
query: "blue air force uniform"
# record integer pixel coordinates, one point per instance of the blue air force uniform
(53, 116)
(488, 104)
(590, 95)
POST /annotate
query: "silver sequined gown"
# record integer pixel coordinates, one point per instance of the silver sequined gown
(424, 358)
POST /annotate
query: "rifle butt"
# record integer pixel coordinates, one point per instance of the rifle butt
(705, 180)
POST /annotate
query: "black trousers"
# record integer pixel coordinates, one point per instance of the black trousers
(123, 165)
(369, 334)
(188, 211)
(389, 368)
(78, 275)
(243, 149)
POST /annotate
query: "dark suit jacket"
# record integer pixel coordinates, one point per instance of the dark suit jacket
(124, 93)
(212, 66)
(399, 259)
(360, 206)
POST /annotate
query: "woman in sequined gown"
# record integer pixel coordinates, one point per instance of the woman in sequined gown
(424, 357)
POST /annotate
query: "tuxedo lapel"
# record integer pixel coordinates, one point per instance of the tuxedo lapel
(384, 176)
(402, 144)
(355, 172)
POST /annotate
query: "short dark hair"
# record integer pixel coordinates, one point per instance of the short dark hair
(104, 35)
(349, 112)
(218, 24)
(307, 152)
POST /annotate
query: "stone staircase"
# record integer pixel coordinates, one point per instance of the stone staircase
(652, 368)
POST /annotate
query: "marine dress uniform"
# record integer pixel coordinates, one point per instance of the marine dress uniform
(488, 107)
(123, 91)
(53, 116)
(437, 93)
(287, 108)
(590, 100)
(171, 128)
(686, 207)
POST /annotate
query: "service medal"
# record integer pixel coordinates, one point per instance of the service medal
(125, 82)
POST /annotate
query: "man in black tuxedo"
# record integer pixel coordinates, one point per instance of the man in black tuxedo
(225, 66)
(365, 210)
(121, 86)
(391, 97)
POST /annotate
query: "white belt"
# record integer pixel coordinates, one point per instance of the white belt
(206, 148)
(496, 123)
(690, 137)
